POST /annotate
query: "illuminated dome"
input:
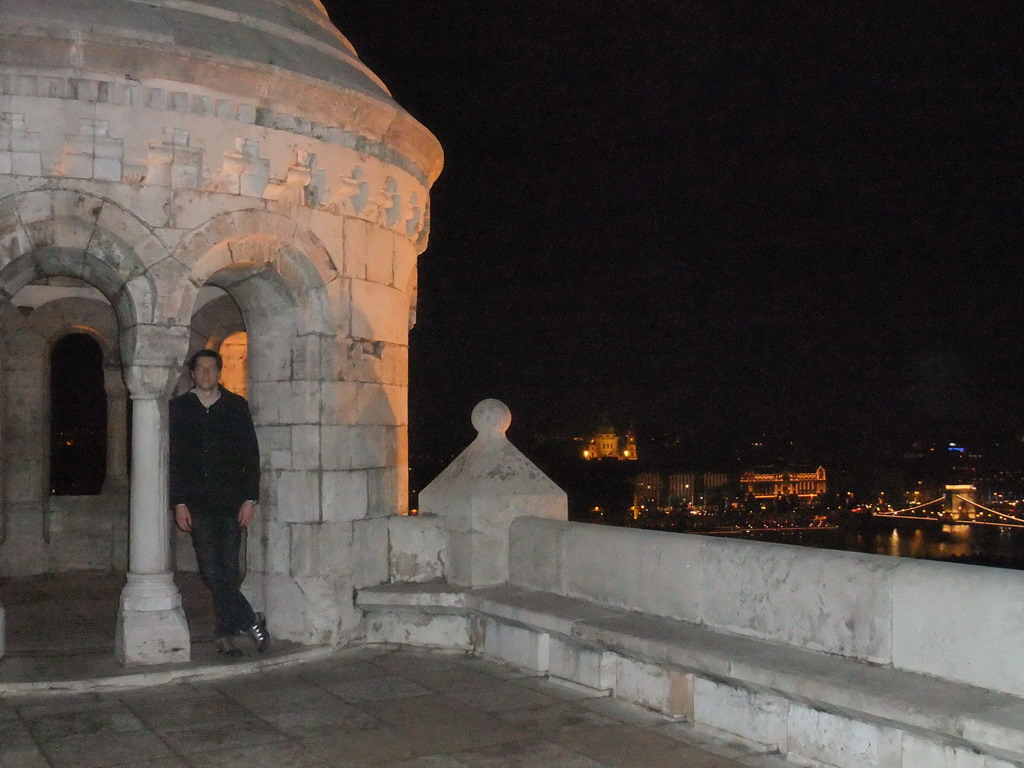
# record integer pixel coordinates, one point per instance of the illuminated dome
(269, 50)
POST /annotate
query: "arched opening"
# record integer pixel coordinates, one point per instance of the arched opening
(235, 352)
(78, 417)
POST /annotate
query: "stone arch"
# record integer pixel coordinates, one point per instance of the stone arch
(41, 532)
(236, 246)
(62, 232)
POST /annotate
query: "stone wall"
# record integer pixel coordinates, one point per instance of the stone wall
(150, 158)
(957, 622)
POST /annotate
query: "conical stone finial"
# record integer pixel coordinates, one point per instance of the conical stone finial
(478, 495)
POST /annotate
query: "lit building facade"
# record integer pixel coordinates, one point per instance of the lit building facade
(607, 444)
(770, 483)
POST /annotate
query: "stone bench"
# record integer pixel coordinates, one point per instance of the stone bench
(818, 709)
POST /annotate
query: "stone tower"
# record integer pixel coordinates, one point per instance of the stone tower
(170, 174)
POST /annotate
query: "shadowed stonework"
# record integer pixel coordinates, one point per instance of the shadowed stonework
(368, 706)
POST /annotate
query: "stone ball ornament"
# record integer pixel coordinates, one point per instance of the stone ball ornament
(491, 418)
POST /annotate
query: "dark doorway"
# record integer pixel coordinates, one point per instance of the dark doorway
(78, 417)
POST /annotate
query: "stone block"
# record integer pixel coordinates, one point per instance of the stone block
(336, 447)
(384, 487)
(756, 717)
(379, 313)
(535, 553)
(836, 602)
(405, 264)
(592, 667)
(518, 646)
(107, 169)
(834, 740)
(370, 552)
(338, 402)
(369, 447)
(663, 689)
(652, 571)
(312, 610)
(380, 256)
(919, 752)
(416, 548)
(305, 446)
(419, 629)
(26, 164)
(976, 643)
(355, 248)
(321, 549)
(298, 496)
(344, 495)
(152, 637)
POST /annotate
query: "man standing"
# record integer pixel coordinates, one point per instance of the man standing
(214, 489)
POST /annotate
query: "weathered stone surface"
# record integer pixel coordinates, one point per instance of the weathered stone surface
(478, 495)
(157, 176)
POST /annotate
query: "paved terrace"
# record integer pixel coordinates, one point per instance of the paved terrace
(297, 707)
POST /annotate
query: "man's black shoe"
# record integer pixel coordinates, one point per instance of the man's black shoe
(258, 633)
(226, 647)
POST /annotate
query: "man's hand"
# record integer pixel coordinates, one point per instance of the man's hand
(245, 513)
(183, 518)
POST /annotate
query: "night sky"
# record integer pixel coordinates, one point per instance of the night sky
(722, 221)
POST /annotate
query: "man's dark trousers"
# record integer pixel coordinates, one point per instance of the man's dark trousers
(217, 537)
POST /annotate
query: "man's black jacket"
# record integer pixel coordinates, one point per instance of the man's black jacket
(214, 456)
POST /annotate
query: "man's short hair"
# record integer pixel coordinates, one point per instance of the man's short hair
(205, 353)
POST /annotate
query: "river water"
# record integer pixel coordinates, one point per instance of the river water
(983, 545)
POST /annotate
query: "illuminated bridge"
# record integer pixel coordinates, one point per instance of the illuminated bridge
(958, 506)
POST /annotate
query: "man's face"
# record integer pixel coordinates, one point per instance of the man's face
(206, 374)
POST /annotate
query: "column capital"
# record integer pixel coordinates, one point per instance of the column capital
(153, 356)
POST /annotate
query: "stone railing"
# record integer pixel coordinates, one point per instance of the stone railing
(955, 622)
(832, 658)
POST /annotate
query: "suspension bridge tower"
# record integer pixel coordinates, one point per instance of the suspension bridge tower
(960, 503)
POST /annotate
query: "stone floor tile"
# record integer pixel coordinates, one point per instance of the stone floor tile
(502, 695)
(100, 750)
(765, 761)
(449, 678)
(323, 672)
(207, 706)
(14, 734)
(167, 762)
(262, 699)
(323, 721)
(229, 734)
(617, 709)
(629, 747)
(496, 668)
(557, 718)
(34, 706)
(427, 761)
(280, 755)
(457, 736)
(716, 743)
(526, 754)
(112, 718)
(427, 708)
(354, 749)
(557, 689)
(23, 757)
(374, 689)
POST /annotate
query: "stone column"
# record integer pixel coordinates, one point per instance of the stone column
(478, 495)
(151, 627)
(117, 434)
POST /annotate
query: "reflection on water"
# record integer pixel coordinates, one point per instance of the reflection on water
(964, 543)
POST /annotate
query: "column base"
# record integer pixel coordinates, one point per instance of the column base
(151, 626)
